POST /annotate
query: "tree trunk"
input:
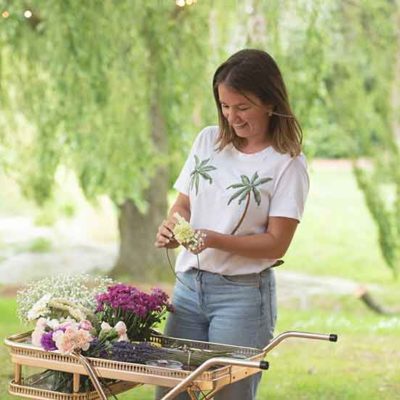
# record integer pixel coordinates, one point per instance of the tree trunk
(138, 258)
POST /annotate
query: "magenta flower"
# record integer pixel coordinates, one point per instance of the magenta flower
(140, 311)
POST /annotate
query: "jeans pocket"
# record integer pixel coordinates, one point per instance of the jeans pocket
(251, 280)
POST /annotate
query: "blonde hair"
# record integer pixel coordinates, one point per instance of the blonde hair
(255, 72)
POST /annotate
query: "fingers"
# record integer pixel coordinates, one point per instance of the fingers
(165, 236)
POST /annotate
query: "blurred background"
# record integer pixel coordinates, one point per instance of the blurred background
(100, 103)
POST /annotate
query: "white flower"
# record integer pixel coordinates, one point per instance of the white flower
(186, 235)
(40, 308)
(105, 326)
(53, 323)
(120, 327)
(78, 289)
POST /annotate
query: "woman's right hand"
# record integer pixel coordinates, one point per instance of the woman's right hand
(165, 237)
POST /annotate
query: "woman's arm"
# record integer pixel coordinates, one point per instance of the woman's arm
(271, 244)
(164, 234)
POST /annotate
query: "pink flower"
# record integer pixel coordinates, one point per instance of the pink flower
(37, 334)
(37, 337)
(86, 325)
(72, 339)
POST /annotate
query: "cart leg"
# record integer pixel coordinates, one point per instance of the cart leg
(195, 393)
(191, 395)
(75, 383)
(17, 373)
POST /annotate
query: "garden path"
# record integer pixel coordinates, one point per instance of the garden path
(72, 252)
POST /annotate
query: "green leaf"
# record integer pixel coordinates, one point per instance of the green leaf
(262, 181)
(257, 196)
(206, 176)
(244, 195)
(245, 179)
(254, 177)
(236, 185)
(204, 162)
(238, 193)
(197, 183)
(208, 168)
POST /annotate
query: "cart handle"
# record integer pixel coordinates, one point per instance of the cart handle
(209, 363)
(331, 337)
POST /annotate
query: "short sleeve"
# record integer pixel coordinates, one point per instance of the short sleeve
(291, 191)
(182, 184)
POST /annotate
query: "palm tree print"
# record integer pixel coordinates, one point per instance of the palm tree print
(201, 169)
(244, 190)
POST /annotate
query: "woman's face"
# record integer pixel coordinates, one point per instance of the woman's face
(247, 115)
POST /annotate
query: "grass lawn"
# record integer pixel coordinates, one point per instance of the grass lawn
(363, 364)
(335, 238)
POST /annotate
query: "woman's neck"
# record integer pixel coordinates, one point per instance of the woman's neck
(250, 147)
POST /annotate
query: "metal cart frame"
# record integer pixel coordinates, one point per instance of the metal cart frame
(207, 379)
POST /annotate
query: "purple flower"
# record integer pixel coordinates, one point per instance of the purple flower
(47, 341)
(140, 311)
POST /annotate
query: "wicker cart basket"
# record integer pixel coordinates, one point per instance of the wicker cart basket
(207, 379)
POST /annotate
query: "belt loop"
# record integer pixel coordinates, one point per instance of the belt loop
(198, 272)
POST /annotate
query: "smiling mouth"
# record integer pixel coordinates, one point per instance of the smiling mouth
(240, 126)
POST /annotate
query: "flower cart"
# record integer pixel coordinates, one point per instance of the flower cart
(92, 341)
(206, 379)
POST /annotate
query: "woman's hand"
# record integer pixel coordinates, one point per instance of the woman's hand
(206, 242)
(165, 237)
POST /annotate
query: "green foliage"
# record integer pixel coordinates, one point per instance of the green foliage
(40, 245)
(114, 92)
(81, 84)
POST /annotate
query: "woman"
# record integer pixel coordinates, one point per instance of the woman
(243, 186)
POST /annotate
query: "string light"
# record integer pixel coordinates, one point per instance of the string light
(5, 14)
(183, 3)
(28, 14)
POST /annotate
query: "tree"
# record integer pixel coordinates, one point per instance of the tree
(108, 91)
(341, 61)
(245, 189)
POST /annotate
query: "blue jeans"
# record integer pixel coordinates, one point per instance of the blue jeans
(238, 310)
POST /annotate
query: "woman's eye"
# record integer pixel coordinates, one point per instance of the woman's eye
(243, 108)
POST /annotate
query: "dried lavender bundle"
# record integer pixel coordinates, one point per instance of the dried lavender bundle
(142, 352)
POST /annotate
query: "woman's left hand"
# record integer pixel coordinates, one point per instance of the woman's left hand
(207, 240)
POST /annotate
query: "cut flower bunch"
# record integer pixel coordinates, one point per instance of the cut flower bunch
(138, 310)
(106, 311)
(109, 320)
(185, 235)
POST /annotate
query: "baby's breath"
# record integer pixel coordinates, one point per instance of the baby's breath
(79, 289)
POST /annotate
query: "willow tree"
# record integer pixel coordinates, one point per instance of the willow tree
(107, 90)
(341, 61)
(374, 51)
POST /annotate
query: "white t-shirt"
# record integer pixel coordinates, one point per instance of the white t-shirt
(273, 185)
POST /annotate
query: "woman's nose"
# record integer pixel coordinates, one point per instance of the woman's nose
(232, 116)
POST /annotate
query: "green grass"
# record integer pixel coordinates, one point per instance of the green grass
(337, 236)
(363, 364)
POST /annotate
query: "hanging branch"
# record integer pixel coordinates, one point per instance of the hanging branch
(365, 296)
